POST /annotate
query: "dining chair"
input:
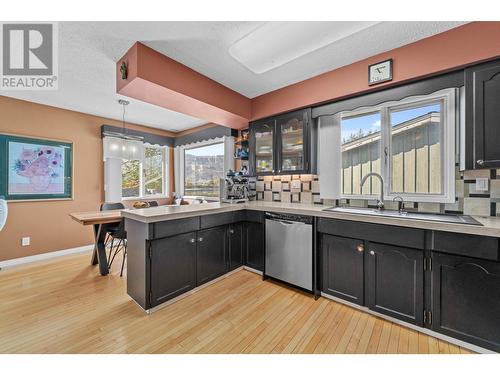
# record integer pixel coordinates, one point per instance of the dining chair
(116, 232)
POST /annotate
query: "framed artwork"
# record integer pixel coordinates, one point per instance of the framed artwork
(35, 169)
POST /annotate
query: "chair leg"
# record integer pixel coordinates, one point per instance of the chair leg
(117, 249)
(110, 248)
(124, 256)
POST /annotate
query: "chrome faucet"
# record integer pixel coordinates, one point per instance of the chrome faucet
(401, 204)
(380, 201)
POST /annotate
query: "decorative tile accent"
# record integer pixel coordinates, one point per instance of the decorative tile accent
(475, 173)
(285, 185)
(286, 178)
(267, 185)
(268, 178)
(268, 196)
(259, 186)
(306, 177)
(495, 188)
(306, 186)
(315, 186)
(306, 197)
(477, 206)
(317, 199)
(286, 197)
(276, 197)
(276, 186)
(296, 197)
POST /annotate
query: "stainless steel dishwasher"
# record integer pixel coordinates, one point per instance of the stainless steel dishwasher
(289, 254)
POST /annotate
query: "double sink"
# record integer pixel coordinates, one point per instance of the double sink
(444, 218)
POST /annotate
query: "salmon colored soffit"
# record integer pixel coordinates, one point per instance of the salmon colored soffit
(157, 79)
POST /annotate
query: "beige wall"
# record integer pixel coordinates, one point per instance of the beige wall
(47, 222)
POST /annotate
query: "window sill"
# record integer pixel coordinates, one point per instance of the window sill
(148, 197)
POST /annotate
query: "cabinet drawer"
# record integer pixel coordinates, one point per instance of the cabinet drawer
(173, 227)
(225, 218)
(254, 216)
(481, 247)
(387, 234)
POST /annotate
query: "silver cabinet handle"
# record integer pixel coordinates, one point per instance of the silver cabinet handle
(372, 252)
(192, 240)
(231, 231)
(200, 239)
(480, 162)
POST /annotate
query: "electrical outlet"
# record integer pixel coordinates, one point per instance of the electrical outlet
(482, 184)
(25, 241)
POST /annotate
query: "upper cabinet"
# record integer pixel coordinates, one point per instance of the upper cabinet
(482, 87)
(284, 144)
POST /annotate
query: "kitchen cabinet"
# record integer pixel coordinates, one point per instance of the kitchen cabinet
(284, 144)
(343, 267)
(254, 245)
(482, 136)
(210, 254)
(466, 299)
(235, 246)
(395, 282)
(173, 267)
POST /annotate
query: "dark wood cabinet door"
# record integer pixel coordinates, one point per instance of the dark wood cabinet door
(466, 299)
(262, 146)
(173, 267)
(292, 134)
(235, 236)
(343, 266)
(483, 107)
(211, 254)
(254, 245)
(395, 282)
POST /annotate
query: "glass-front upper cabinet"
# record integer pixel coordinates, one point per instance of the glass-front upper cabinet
(292, 142)
(263, 137)
(284, 144)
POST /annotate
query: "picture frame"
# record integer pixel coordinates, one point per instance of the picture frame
(380, 72)
(35, 168)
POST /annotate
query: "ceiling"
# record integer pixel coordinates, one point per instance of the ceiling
(88, 51)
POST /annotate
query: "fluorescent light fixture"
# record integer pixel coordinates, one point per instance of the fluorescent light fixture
(277, 43)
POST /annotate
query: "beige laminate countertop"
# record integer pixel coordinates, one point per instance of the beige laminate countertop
(491, 225)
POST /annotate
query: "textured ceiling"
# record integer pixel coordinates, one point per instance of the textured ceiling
(88, 51)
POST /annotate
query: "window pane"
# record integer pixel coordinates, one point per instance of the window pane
(130, 178)
(416, 149)
(153, 170)
(203, 166)
(264, 149)
(360, 153)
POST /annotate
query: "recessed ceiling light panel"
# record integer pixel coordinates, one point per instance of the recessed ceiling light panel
(277, 43)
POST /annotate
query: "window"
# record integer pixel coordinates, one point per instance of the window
(203, 167)
(146, 178)
(410, 143)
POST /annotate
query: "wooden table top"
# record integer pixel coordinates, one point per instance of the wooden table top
(97, 217)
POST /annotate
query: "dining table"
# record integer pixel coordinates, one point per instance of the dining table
(99, 220)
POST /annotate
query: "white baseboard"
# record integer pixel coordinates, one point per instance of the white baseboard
(41, 257)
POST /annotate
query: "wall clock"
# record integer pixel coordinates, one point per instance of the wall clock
(380, 72)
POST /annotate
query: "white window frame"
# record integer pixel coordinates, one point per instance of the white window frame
(165, 185)
(183, 164)
(449, 99)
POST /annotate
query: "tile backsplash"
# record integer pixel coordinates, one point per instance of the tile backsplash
(469, 201)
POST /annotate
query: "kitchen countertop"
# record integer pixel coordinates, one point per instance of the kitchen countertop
(491, 225)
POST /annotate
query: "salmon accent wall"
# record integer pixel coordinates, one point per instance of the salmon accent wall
(160, 80)
(464, 45)
(47, 222)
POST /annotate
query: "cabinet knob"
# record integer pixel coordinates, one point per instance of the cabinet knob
(360, 248)
(372, 252)
(200, 239)
(480, 162)
(192, 240)
(231, 231)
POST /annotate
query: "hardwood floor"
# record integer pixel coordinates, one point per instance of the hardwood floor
(65, 306)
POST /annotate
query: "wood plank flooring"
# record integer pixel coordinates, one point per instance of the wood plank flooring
(65, 306)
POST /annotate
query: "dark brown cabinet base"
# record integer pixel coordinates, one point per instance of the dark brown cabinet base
(466, 299)
(395, 282)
